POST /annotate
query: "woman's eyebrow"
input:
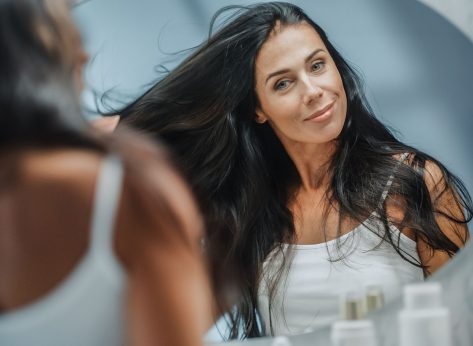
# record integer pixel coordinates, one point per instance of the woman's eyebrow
(314, 53)
(307, 59)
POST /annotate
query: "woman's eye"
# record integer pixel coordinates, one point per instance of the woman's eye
(281, 85)
(317, 66)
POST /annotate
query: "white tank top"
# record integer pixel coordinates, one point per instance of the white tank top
(87, 308)
(308, 293)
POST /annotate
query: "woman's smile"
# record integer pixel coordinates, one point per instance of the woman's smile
(322, 114)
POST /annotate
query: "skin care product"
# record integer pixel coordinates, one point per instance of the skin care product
(424, 321)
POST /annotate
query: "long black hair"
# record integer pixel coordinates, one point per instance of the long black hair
(205, 110)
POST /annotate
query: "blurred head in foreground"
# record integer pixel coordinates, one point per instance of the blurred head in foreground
(52, 166)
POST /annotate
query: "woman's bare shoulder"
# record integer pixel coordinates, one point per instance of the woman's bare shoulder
(59, 163)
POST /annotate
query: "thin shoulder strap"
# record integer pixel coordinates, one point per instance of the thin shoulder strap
(391, 178)
(107, 197)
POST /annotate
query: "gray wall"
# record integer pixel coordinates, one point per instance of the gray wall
(459, 12)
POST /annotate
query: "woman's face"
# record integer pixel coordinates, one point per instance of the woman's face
(299, 88)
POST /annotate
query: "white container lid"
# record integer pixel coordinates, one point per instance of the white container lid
(353, 333)
(425, 295)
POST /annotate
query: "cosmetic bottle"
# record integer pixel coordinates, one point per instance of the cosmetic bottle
(424, 321)
(352, 306)
(374, 298)
(281, 341)
(353, 330)
(353, 333)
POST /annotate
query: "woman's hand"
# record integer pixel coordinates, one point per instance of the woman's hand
(106, 124)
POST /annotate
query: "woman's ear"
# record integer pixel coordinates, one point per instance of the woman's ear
(261, 118)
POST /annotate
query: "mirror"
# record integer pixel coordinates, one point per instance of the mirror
(417, 66)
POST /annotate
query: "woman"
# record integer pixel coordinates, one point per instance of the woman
(99, 236)
(302, 188)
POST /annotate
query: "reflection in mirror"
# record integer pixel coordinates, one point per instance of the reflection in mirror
(306, 192)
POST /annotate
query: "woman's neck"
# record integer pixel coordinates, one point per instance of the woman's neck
(312, 162)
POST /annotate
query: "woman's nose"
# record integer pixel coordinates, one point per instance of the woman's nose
(312, 91)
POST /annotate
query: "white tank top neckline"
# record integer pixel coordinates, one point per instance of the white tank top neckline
(308, 291)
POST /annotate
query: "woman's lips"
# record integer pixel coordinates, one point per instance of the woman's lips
(321, 114)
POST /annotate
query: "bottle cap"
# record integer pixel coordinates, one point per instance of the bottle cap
(423, 296)
(352, 306)
(374, 298)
